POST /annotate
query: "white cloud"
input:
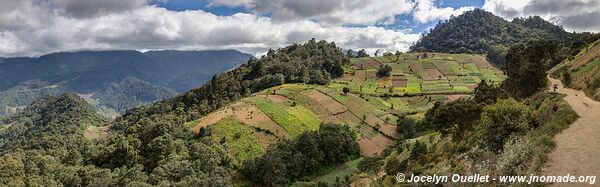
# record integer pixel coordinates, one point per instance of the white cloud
(426, 11)
(327, 12)
(31, 28)
(574, 15)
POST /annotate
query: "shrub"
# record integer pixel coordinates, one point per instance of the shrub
(384, 71)
(370, 165)
(500, 121)
(513, 159)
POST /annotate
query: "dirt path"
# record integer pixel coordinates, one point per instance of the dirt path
(577, 147)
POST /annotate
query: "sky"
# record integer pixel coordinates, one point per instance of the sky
(37, 27)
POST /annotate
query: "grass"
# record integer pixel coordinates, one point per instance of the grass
(241, 143)
(294, 120)
(329, 174)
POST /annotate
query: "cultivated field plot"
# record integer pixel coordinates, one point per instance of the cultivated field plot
(420, 74)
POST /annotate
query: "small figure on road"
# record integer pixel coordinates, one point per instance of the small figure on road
(555, 87)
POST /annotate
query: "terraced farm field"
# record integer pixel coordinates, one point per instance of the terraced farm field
(370, 109)
(420, 74)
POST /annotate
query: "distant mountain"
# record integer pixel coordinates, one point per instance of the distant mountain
(130, 93)
(186, 70)
(477, 30)
(102, 73)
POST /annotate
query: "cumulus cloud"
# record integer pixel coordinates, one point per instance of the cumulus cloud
(329, 12)
(32, 27)
(574, 15)
(426, 11)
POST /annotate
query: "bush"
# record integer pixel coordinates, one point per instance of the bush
(513, 159)
(384, 71)
(370, 165)
(500, 121)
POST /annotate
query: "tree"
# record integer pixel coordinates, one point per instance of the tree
(501, 121)
(406, 126)
(418, 150)
(459, 115)
(362, 53)
(350, 53)
(384, 70)
(345, 90)
(525, 67)
(496, 55)
(487, 94)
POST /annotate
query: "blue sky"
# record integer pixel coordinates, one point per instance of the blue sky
(404, 21)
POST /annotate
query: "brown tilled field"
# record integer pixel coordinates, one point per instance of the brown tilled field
(245, 113)
(370, 63)
(415, 67)
(329, 103)
(369, 148)
(373, 120)
(359, 77)
(389, 130)
(434, 74)
(278, 98)
(479, 61)
(399, 83)
(382, 141)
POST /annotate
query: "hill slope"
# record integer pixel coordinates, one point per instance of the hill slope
(582, 72)
(49, 123)
(477, 30)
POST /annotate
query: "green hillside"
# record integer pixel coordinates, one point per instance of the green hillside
(582, 71)
(303, 115)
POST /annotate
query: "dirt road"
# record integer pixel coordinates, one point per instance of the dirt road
(577, 147)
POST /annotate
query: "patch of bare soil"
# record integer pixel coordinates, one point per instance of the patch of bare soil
(479, 61)
(245, 113)
(329, 103)
(359, 77)
(434, 74)
(382, 141)
(93, 132)
(374, 121)
(455, 97)
(415, 67)
(368, 148)
(277, 98)
(577, 147)
(399, 83)
(389, 130)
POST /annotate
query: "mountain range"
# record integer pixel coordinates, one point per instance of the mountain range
(161, 74)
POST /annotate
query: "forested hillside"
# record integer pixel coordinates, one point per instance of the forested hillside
(475, 31)
(482, 32)
(130, 93)
(53, 124)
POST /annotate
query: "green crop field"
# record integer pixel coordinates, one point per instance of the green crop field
(241, 142)
(458, 75)
(294, 120)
